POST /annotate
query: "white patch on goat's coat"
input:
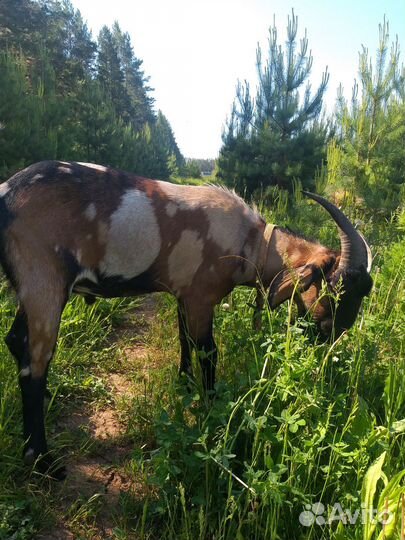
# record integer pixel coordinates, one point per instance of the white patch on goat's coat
(171, 209)
(226, 213)
(79, 256)
(89, 236)
(66, 170)
(25, 371)
(133, 239)
(37, 177)
(4, 188)
(185, 259)
(91, 212)
(84, 274)
(93, 166)
(225, 228)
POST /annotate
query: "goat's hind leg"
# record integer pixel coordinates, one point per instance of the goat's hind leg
(17, 343)
(43, 313)
(17, 339)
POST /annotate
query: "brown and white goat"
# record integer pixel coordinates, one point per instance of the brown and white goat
(96, 231)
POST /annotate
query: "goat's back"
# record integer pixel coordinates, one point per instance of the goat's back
(114, 224)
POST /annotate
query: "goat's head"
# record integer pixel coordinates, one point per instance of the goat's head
(331, 290)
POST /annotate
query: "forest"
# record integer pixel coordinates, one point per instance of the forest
(304, 440)
(64, 95)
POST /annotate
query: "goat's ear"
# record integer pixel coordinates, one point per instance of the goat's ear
(286, 282)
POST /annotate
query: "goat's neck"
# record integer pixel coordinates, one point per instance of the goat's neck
(285, 251)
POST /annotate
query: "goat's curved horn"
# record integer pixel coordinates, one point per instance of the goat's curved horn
(355, 251)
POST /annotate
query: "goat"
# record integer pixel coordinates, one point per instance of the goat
(68, 227)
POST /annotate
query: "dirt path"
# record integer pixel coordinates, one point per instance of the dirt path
(96, 475)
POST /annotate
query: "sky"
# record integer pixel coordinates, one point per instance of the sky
(195, 51)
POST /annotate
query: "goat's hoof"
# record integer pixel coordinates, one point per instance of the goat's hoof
(29, 456)
(50, 468)
(45, 465)
(187, 379)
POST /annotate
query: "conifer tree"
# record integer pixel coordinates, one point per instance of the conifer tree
(21, 25)
(134, 79)
(110, 75)
(28, 120)
(166, 139)
(368, 157)
(56, 101)
(277, 137)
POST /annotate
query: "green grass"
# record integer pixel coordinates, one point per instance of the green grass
(293, 423)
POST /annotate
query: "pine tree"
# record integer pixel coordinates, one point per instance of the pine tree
(58, 100)
(28, 120)
(278, 137)
(134, 79)
(368, 157)
(110, 74)
(21, 25)
(166, 139)
(78, 48)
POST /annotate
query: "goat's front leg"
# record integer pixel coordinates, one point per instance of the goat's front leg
(186, 346)
(198, 317)
(207, 355)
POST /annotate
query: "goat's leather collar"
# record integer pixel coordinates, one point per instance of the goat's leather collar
(263, 251)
